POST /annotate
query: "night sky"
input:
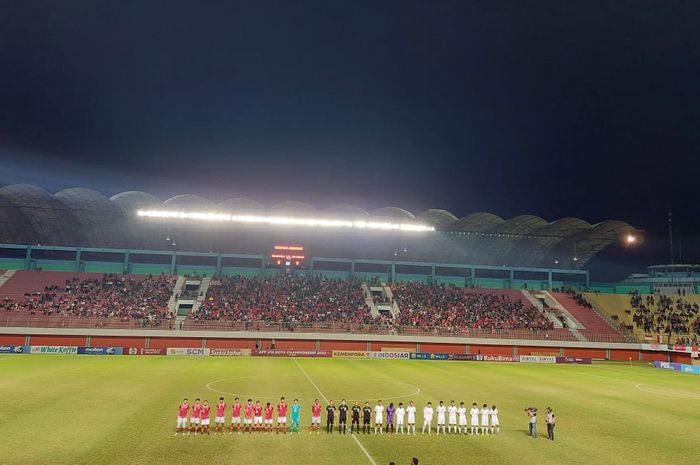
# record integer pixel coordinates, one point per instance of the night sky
(570, 108)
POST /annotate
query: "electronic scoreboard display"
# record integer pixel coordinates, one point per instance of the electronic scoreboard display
(288, 256)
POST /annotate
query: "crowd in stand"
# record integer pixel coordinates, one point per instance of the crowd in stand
(293, 299)
(663, 314)
(425, 305)
(579, 298)
(110, 296)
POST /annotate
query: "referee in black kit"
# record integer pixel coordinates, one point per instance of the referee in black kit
(355, 418)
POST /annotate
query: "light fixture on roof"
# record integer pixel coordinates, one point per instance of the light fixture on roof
(284, 220)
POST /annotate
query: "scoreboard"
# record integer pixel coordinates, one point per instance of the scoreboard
(288, 256)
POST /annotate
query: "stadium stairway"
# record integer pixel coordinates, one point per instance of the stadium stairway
(395, 310)
(537, 303)
(177, 290)
(203, 288)
(369, 301)
(5, 276)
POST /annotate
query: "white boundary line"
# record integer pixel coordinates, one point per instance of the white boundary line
(369, 457)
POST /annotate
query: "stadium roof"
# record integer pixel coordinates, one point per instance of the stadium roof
(84, 217)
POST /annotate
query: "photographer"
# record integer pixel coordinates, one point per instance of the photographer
(532, 415)
(550, 423)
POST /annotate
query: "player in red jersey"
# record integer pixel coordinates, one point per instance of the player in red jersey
(315, 417)
(220, 419)
(206, 416)
(268, 417)
(196, 417)
(258, 416)
(236, 415)
(282, 415)
(248, 419)
(183, 410)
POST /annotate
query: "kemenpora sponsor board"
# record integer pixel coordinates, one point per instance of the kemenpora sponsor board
(229, 352)
(62, 350)
(578, 360)
(538, 359)
(680, 367)
(100, 350)
(14, 349)
(291, 353)
(350, 354)
(188, 351)
(143, 351)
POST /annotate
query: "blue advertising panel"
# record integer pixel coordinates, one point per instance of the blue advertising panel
(100, 350)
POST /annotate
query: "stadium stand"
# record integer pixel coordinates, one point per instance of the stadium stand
(595, 327)
(133, 300)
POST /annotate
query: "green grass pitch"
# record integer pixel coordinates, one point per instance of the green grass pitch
(121, 410)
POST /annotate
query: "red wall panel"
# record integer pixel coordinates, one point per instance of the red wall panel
(165, 342)
(530, 350)
(490, 350)
(616, 354)
(105, 341)
(12, 339)
(231, 343)
(443, 348)
(343, 345)
(652, 356)
(295, 344)
(388, 345)
(592, 353)
(681, 358)
(57, 340)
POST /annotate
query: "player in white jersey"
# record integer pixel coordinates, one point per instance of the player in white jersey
(495, 424)
(411, 420)
(378, 417)
(428, 417)
(400, 416)
(474, 412)
(441, 411)
(452, 417)
(462, 412)
(485, 414)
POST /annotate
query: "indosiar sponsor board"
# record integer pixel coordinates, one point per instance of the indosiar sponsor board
(350, 354)
(197, 352)
(390, 355)
(14, 349)
(229, 352)
(538, 359)
(62, 350)
(100, 350)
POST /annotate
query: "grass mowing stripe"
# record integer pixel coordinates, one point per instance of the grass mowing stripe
(369, 457)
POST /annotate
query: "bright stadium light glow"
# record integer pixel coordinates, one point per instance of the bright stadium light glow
(284, 220)
(631, 239)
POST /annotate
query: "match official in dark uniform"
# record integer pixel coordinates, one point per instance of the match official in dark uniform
(355, 417)
(330, 417)
(342, 417)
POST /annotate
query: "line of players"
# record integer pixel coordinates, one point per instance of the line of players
(253, 417)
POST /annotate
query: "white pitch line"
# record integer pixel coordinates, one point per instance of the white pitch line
(359, 444)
